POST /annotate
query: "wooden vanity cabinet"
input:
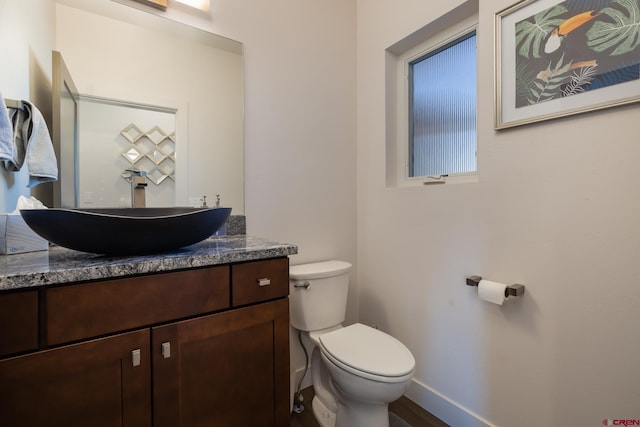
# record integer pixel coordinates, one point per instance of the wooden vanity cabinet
(173, 351)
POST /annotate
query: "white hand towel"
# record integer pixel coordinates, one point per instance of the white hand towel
(40, 155)
(15, 161)
(6, 134)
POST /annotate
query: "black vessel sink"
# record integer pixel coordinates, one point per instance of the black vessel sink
(126, 231)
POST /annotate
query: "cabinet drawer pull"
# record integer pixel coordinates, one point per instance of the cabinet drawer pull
(166, 350)
(264, 281)
(135, 357)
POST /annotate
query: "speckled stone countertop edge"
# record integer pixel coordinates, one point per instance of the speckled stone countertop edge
(60, 265)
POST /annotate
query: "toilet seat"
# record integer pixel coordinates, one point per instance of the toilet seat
(368, 353)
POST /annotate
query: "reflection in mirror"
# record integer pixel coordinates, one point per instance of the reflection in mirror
(117, 52)
(125, 136)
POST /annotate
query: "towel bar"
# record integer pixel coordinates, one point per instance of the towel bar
(13, 103)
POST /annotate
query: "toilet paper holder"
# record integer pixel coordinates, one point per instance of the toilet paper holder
(515, 290)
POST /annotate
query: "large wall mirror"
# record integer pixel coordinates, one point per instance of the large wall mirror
(152, 94)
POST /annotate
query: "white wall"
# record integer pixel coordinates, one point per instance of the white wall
(556, 208)
(27, 34)
(300, 109)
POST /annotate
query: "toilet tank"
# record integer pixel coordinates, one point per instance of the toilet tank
(323, 303)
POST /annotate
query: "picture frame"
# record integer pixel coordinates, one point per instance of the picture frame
(558, 58)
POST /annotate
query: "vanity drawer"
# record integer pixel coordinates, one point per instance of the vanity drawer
(18, 322)
(258, 281)
(86, 310)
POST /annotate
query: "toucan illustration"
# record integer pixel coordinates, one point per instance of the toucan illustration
(561, 31)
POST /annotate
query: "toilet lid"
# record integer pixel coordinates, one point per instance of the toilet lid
(368, 350)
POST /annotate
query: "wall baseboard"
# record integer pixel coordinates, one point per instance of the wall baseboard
(444, 408)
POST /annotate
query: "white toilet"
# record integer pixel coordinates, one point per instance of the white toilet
(356, 370)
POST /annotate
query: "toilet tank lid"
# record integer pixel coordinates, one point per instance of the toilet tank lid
(318, 270)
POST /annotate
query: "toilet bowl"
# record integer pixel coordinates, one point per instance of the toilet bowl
(356, 370)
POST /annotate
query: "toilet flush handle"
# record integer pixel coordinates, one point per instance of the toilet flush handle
(302, 285)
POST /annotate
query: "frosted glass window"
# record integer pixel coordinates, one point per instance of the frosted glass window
(442, 110)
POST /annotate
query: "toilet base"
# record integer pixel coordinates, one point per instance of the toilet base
(351, 414)
(356, 414)
(323, 415)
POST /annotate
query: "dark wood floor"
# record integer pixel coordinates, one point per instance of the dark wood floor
(406, 409)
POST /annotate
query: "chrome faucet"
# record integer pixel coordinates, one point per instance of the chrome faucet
(138, 181)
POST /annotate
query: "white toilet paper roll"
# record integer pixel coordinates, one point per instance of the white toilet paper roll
(492, 291)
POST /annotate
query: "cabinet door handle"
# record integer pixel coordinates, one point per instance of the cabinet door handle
(135, 357)
(166, 350)
(265, 281)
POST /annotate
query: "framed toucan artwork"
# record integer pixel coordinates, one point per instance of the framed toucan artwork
(558, 58)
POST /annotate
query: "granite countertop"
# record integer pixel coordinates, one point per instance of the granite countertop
(60, 265)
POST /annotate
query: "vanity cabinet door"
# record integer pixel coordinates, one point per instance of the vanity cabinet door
(94, 383)
(225, 370)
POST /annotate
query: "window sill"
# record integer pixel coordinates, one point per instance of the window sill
(423, 181)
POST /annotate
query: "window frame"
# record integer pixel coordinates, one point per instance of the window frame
(431, 45)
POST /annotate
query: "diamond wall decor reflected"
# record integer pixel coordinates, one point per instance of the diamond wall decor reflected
(156, 176)
(156, 135)
(132, 133)
(156, 146)
(132, 155)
